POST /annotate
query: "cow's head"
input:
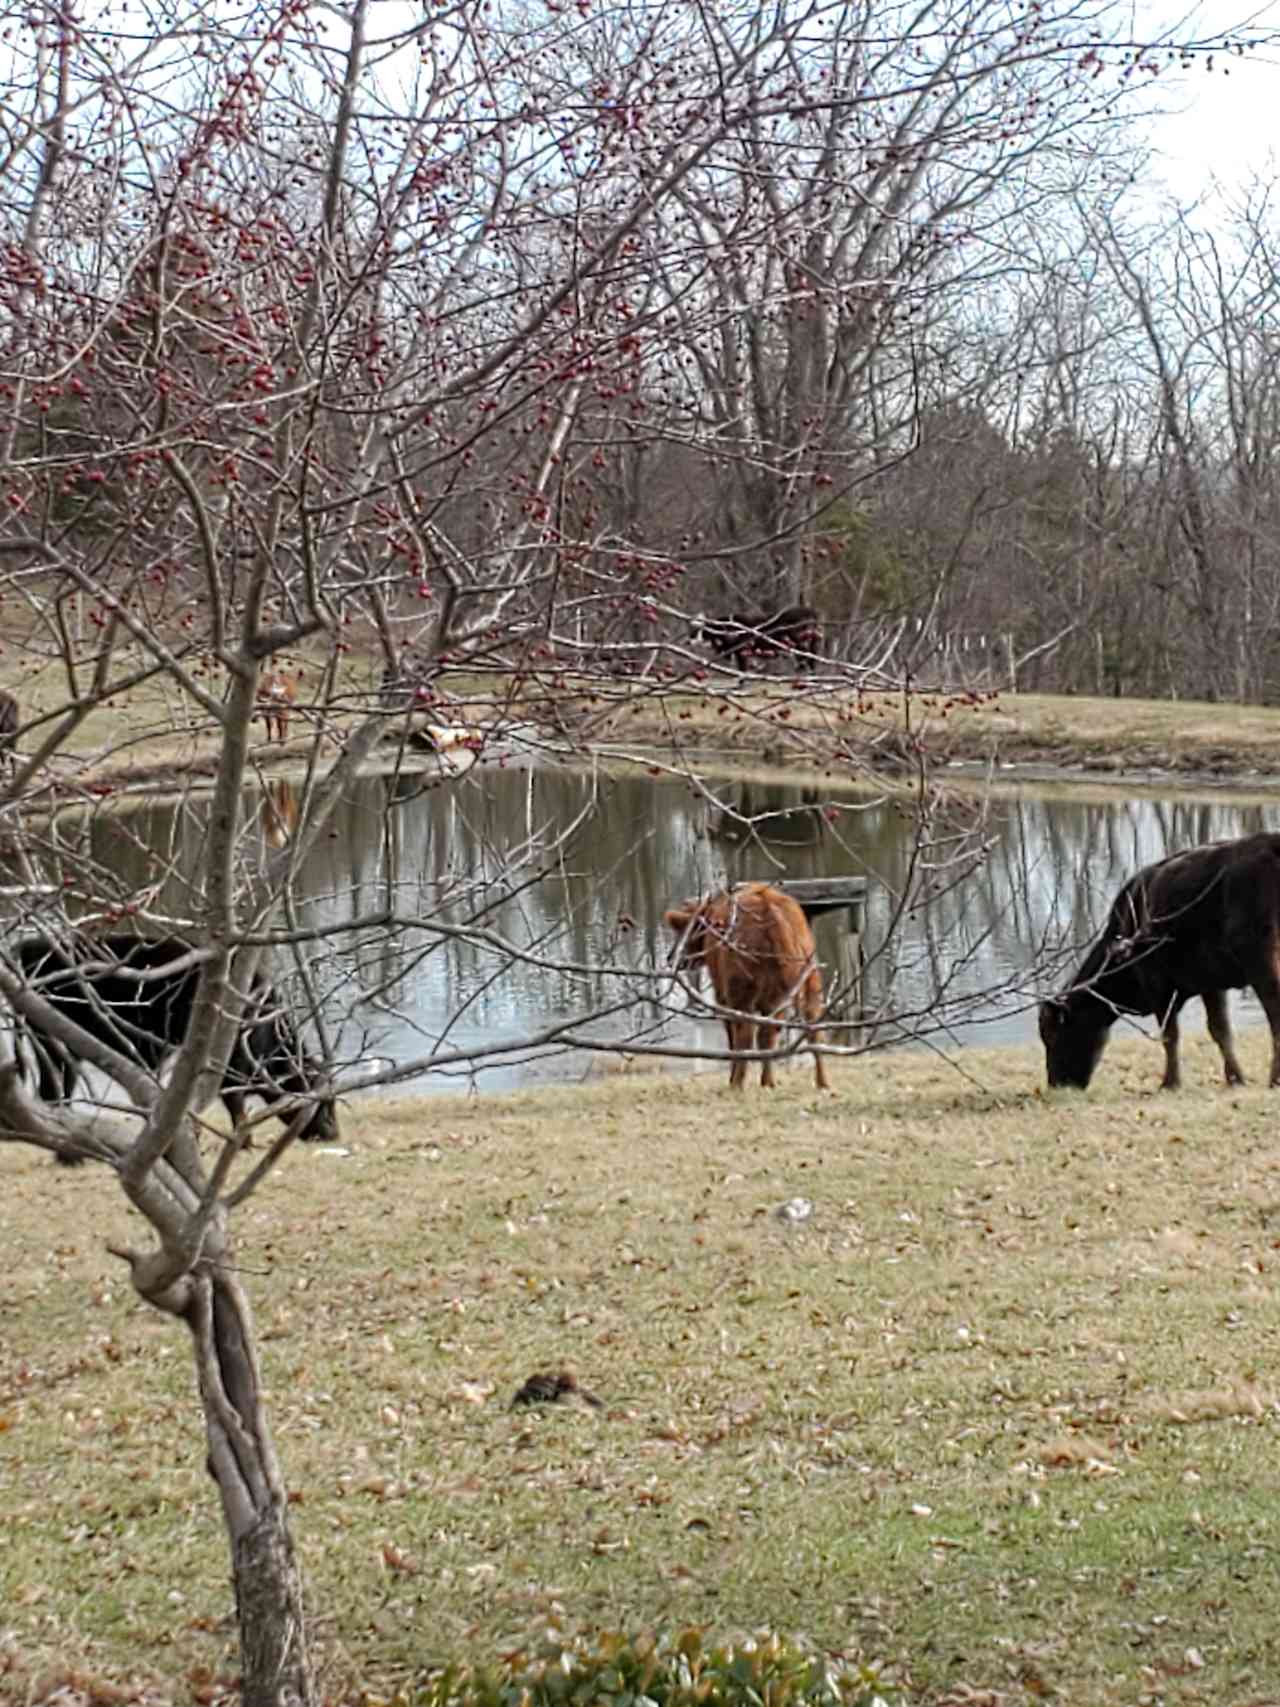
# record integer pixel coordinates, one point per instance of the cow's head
(1073, 1035)
(279, 1071)
(322, 1123)
(688, 922)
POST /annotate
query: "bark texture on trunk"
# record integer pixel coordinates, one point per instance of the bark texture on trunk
(275, 1662)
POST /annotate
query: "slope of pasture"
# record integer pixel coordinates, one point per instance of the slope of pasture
(1001, 1413)
(149, 738)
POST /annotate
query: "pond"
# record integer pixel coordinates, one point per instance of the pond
(525, 898)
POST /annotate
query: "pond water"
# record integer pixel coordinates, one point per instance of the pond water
(525, 898)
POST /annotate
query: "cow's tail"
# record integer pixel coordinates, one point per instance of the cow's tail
(814, 1010)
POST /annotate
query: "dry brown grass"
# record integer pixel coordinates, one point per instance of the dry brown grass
(1040, 730)
(1003, 1412)
(142, 737)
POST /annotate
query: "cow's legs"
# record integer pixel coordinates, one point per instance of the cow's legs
(812, 1008)
(1219, 1018)
(56, 1068)
(739, 1038)
(767, 1038)
(234, 1101)
(1169, 1036)
(1267, 990)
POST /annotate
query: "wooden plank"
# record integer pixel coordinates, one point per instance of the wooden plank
(819, 895)
(840, 891)
(852, 904)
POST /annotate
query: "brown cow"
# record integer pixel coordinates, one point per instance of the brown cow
(278, 812)
(1199, 923)
(758, 946)
(277, 691)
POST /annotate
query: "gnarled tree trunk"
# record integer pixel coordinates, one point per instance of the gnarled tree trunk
(275, 1664)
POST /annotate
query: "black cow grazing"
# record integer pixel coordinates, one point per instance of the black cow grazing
(1197, 924)
(795, 630)
(8, 731)
(729, 637)
(99, 984)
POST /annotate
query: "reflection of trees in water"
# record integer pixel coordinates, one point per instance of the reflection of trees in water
(148, 855)
(502, 922)
(1051, 874)
(966, 928)
(469, 869)
(759, 815)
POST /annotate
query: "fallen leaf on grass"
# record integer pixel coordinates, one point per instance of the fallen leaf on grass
(1211, 1404)
(668, 1431)
(381, 1487)
(604, 1541)
(1077, 1452)
(76, 1686)
(398, 1563)
(472, 1392)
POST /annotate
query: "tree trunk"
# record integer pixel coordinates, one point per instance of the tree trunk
(275, 1663)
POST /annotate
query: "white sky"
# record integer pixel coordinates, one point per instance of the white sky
(1229, 124)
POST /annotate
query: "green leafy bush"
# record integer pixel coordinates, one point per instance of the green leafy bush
(666, 1671)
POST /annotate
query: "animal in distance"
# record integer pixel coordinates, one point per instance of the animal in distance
(758, 947)
(277, 691)
(1198, 923)
(794, 630)
(117, 989)
(9, 719)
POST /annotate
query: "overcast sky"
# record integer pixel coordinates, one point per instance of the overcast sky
(1230, 122)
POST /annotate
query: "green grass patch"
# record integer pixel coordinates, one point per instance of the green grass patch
(1000, 1416)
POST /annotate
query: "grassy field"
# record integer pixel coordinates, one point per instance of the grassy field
(1001, 1414)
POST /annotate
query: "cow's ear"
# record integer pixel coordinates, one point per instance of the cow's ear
(678, 919)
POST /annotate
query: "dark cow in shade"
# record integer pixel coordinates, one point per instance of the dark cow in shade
(1197, 924)
(795, 631)
(8, 731)
(117, 989)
